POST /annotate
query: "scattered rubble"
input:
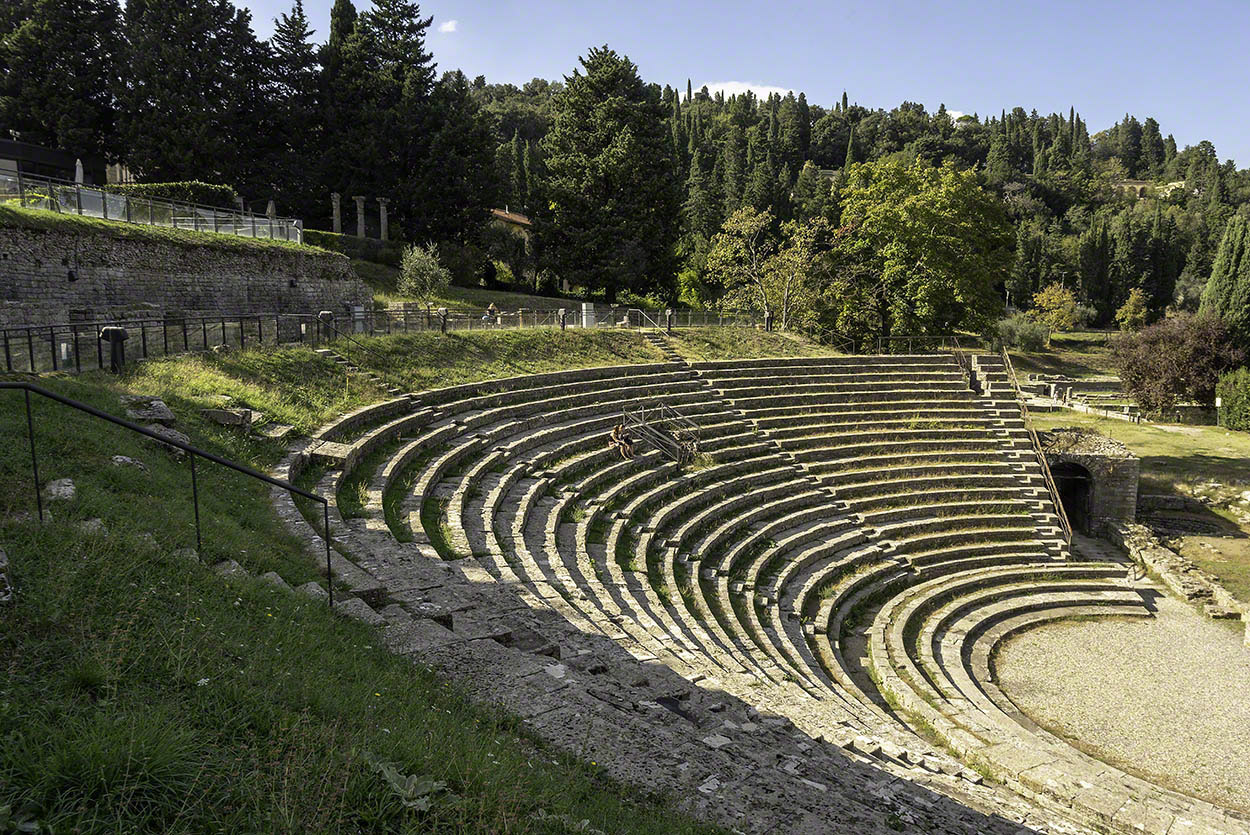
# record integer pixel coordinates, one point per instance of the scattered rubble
(144, 408)
(61, 490)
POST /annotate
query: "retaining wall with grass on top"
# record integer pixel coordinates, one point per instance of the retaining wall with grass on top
(84, 273)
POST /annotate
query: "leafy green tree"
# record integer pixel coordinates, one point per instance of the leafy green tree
(1131, 316)
(612, 207)
(760, 270)
(421, 275)
(921, 250)
(1055, 306)
(59, 73)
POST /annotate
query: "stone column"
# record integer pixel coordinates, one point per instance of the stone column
(271, 211)
(382, 201)
(360, 214)
(335, 203)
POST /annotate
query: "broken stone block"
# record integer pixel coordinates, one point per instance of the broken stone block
(127, 461)
(169, 434)
(230, 417)
(61, 490)
(144, 408)
(275, 431)
(92, 526)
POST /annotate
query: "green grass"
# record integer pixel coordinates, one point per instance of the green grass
(42, 219)
(716, 343)
(1076, 355)
(1206, 461)
(143, 693)
(384, 281)
(424, 361)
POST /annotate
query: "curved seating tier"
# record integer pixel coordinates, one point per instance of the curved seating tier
(855, 537)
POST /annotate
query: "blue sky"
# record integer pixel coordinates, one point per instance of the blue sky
(1187, 64)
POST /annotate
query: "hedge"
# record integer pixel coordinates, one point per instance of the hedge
(1233, 389)
(192, 191)
(367, 249)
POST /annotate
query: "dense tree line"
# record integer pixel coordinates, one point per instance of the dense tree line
(186, 91)
(1076, 220)
(628, 183)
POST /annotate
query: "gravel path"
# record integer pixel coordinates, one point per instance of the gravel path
(1167, 699)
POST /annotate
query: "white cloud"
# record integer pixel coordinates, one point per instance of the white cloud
(955, 114)
(448, 26)
(736, 88)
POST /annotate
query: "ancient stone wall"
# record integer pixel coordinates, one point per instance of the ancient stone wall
(55, 276)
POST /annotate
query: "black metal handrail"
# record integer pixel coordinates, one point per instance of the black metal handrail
(1049, 478)
(192, 451)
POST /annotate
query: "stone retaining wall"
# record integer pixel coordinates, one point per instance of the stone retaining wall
(54, 276)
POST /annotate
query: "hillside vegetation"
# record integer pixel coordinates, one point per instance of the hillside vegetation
(144, 693)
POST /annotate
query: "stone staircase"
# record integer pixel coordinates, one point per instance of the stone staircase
(659, 341)
(805, 616)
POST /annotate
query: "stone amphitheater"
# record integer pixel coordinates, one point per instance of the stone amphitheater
(797, 632)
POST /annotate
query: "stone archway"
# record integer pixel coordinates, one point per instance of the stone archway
(1076, 489)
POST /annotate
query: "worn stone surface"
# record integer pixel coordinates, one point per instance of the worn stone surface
(139, 278)
(143, 408)
(169, 434)
(1165, 697)
(60, 490)
(127, 461)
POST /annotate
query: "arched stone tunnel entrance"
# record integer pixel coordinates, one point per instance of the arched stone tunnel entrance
(1076, 487)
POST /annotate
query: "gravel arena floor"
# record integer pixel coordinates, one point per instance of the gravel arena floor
(1166, 699)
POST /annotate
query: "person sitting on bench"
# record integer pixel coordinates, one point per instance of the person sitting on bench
(623, 443)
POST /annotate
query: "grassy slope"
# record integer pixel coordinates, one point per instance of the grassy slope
(55, 221)
(740, 343)
(1186, 460)
(143, 693)
(430, 360)
(383, 279)
(1075, 355)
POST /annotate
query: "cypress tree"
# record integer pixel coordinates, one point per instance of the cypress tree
(58, 74)
(850, 148)
(1227, 293)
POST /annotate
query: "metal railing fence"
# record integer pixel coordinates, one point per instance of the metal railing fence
(192, 452)
(1037, 448)
(31, 192)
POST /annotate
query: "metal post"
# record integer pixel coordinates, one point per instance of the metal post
(104, 204)
(77, 359)
(195, 499)
(126, 205)
(143, 333)
(242, 335)
(223, 331)
(77, 196)
(325, 506)
(277, 330)
(260, 332)
(165, 335)
(186, 346)
(34, 459)
(30, 350)
(204, 332)
(52, 345)
(21, 190)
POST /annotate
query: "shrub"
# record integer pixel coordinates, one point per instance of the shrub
(1055, 305)
(1131, 316)
(1234, 393)
(1177, 359)
(191, 191)
(1019, 331)
(421, 275)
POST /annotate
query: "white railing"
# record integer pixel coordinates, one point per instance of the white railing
(28, 192)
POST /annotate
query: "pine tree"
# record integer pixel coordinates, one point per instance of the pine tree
(297, 123)
(1227, 293)
(58, 74)
(611, 211)
(206, 46)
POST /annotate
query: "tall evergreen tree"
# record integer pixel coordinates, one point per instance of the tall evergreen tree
(205, 46)
(1227, 293)
(297, 126)
(59, 69)
(612, 211)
